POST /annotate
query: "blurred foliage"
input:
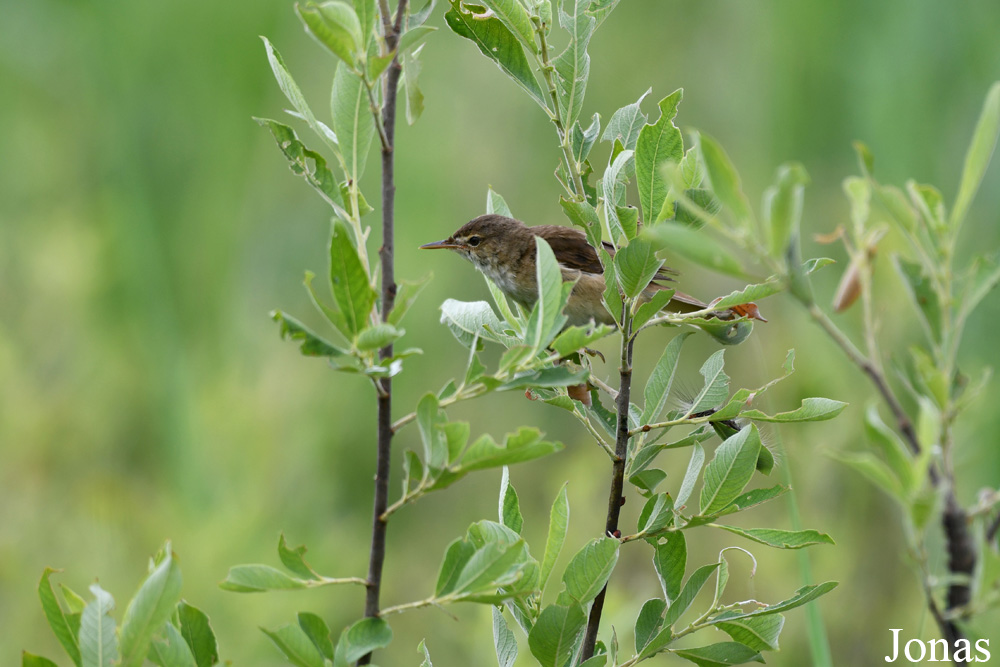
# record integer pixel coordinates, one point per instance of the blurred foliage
(145, 395)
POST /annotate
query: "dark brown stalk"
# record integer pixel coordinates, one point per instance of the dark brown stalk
(615, 497)
(959, 544)
(384, 454)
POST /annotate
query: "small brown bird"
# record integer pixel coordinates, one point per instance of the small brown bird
(504, 249)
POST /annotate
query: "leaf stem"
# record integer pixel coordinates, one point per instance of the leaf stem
(545, 65)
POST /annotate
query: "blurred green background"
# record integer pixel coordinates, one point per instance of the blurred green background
(147, 226)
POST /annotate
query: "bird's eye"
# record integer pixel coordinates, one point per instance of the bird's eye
(474, 241)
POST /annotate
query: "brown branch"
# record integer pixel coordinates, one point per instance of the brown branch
(959, 543)
(386, 255)
(615, 497)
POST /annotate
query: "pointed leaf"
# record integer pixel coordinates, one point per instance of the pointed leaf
(558, 526)
(811, 410)
(556, 635)
(980, 151)
(497, 43)
(635, 265)
(510, 510)
(572, 66)
(670, 561)
(197, 632)
(733, 466)
(503, 640)
(352, 120)
(724, 177)
(626, 124)
(720, 655)
(660, 381)
(56, 617)
(695, 245)
(659, 143)
(782, 539)
(150, 609)
(98, 641)
(589, 569)
(295, 644)
(170, 650)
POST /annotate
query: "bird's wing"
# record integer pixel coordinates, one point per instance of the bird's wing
(570, 248)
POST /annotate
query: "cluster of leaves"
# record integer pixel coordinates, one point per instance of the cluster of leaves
(348, 31)
(158, 626)
(679, 192)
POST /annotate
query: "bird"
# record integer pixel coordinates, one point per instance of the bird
(503, 249)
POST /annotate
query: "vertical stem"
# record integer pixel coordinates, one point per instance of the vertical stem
(384, 454)
(615, 497)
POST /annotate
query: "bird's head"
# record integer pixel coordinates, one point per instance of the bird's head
(486, 240)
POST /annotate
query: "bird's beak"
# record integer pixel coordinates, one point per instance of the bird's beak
(447, 243)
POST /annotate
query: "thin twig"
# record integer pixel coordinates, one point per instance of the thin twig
(615, 496)
(386, 255)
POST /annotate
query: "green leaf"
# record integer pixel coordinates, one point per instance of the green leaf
(719, 655)
(170, 650)
(497, 43)
(895, 452)
(406, 295)
(613, 186)
(291, 89)
(352, 120)
(626, 124)
(670, 560)
(760, 633)
(303, 162)
(198, 634)
(582, 141)
(422, 648)
(677, 608)
(150, 609)
(259, 578)
(575, 338)
(311, 345)
(32, 660)
(546, 317)
(557, 634)
(335, 26)
(782, 207)
(695, 245)
(431, 421)
(295, 644)
(658, 144)
(348, 281)
(510, 509)
(716, 388)
(524, 445)
(98, 641)
(318, 632)
(367, 18)
(649, 622)
(981, 278)
(636, 264)
(495, 203)
(647, 480)
(414, 37)
(652, 307)
(691, 476)
(984, 140)
(923, 295)
(661, 380)
(365, 636)
(782, 539)
(589, 569)
(471, 320)
(729, 471)
(874, 469)
(411, 73)
(584, 215)
(812, 410)
(558, 525)
(56, 617)
(572, 66)
(503, 640)
(378, 336)
(753, 497)
(558, 376)
(724, 177)
(515, 17)
(657, 513)
(802, 596)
